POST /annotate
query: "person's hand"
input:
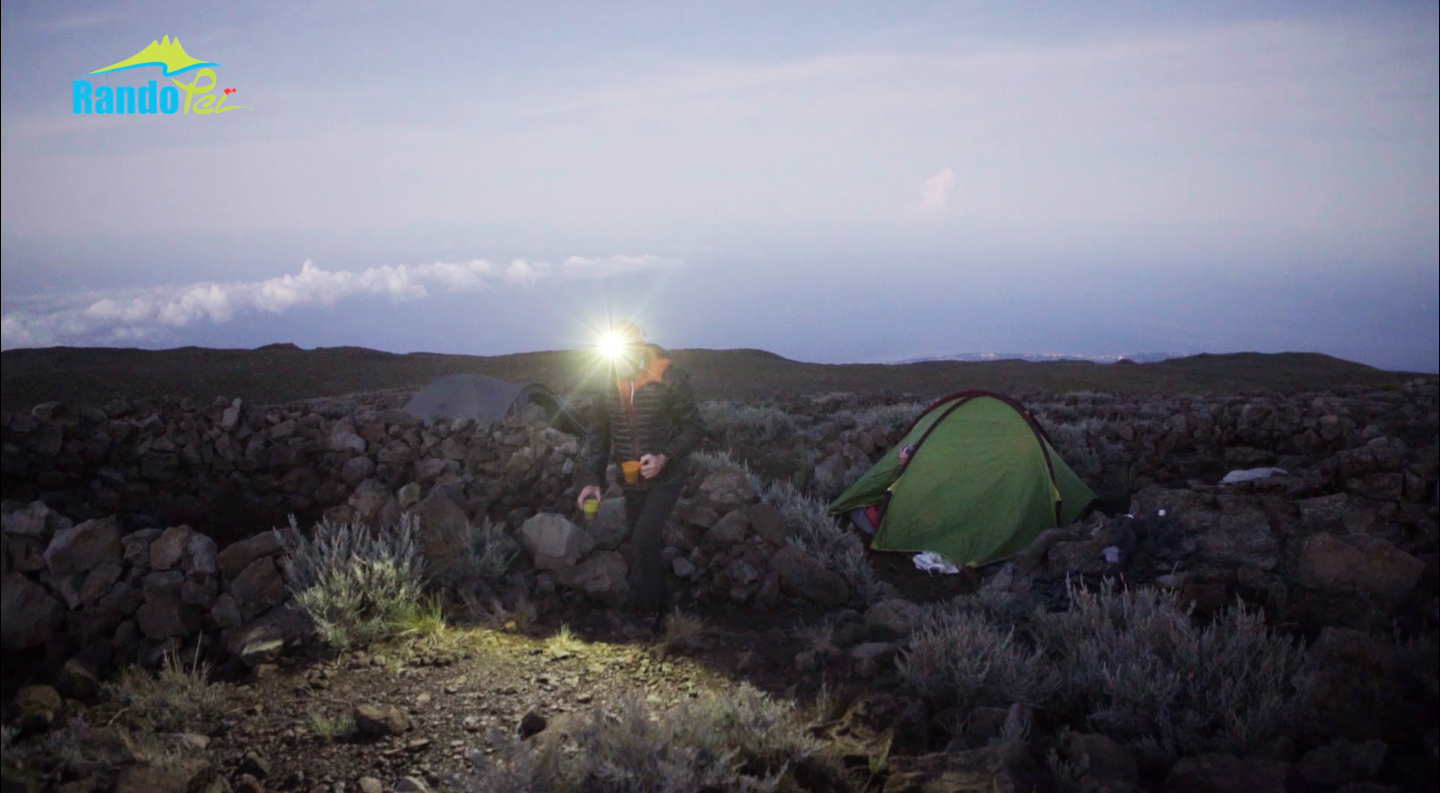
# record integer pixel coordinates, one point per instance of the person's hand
(651, 465)
(587, 492)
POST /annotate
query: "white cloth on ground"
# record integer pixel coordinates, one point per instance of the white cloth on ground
(933, 563)
(1250, 475)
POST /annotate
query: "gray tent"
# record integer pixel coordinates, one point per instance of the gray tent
(485, 399)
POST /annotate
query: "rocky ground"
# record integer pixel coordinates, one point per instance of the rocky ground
(1338, 552)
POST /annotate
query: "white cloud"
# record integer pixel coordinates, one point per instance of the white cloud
(581, 267)
(141, 314)
(935, 191)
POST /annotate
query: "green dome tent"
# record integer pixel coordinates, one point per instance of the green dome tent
(983, 483)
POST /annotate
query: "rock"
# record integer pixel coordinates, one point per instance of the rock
(199, 557)
(729, 530)
(727, 490)
(892, 619)
(369, 784)
(1219, 773)
(346, 441)
(173, 777)
(806, 576)
(235, 558)
(554, 542)
(258, 588)
(740, 573)
(602, 574)
(163, 616)
(370, 500)
(1368, 565)
(379, 721)
(32, 520)
(357, 470)
(683, 568)
(702, 517)
(225, 612)
(1341, 762)
(247, 783)
(1241, 535)
(76, 681)
(768, 523)
(37, 707)
(1348, 688)
(80, 548)
(1109, 765)
(255, 764)
(532, 724)
(409, 495)
(99, 581)
(136, 546)
(30, 615)
(609, 528)
(167, 549)
(444, 533)
(264, 640)
(411, 784)
(871, 657)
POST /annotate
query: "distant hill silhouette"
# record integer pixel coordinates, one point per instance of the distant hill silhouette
(283, 372)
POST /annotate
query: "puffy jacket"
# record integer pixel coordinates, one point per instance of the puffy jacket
(653, 414)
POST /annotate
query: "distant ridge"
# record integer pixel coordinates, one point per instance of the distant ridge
(1137, 357)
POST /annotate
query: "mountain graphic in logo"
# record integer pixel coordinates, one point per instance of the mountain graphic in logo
(166, 53)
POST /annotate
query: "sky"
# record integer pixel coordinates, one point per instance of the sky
(833, 182)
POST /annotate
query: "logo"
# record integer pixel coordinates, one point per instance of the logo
(200, 97)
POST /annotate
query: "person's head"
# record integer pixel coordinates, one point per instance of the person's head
(625, 345)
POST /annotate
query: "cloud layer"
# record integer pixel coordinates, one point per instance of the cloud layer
(138, 315)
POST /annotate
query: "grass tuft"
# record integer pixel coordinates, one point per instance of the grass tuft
(359, 584)
(178, 699)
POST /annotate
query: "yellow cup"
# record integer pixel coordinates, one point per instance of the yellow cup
(631, 469)
(592, 507)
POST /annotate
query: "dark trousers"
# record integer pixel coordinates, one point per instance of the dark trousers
(646, 511)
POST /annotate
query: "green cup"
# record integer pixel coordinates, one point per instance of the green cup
(591, 507)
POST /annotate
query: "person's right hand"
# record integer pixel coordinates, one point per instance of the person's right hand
(587, 492)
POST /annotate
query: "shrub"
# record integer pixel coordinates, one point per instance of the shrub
(1131, 664)
(179, 699)
(488, 554)
(741, 741)
(810, 526)
(891, 418)
(964, 657)
(356, 582)
(761, 423)
(1145, 673)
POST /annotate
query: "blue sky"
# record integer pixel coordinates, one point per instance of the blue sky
(832, 182)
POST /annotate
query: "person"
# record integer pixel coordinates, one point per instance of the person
(645, 412)
(868, 518)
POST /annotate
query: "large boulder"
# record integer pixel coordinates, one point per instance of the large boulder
(729, 530)
(166, 550)
(82, 547)
(609, 527)
(1368, 565)
(602, 574)
(373, 502)
(30, 615)
(236, 557)
(1238, 536)
(806, 576)
(33, 520)
(554, 543)
(258, 587)
(727, 490)
(444, 532)
(893, 618)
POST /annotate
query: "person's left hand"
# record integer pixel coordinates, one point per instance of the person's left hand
(651, 465)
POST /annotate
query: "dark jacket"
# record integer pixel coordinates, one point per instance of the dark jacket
(664, 420)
